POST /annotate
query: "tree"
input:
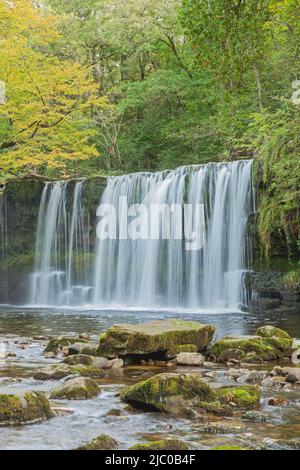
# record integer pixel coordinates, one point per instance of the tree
(45, 120)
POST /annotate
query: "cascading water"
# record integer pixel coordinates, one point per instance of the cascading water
(162, 273)
(62, 249)
(148, 272)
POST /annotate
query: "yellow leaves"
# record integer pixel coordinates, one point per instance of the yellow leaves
(48, 100)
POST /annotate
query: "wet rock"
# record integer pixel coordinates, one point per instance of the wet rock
(190, 359)
(254, 349)
(255, 376)
(186, 394)
(60, 371)
(80, 348)
(24, 408)
(81, 388)
(293, 444)
(114, 412)
(153, 338)
(164, 444)
(10, 354)
(116, 363)
(230, 354)
(230, 448)
(84, 336)
(292, 374)
(242, 397)
(256, 416)
(102, 442)
(50, 355)
(99, 362)
(56, 344)
(222, 428)
(296, 357)
(277, 401)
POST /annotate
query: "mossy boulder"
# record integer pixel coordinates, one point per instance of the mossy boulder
(158, 338)
(81, 388)
(56, 344)
(24, 408)
(246, 397)
(59, 371)
(102, 442)
(181, 394)
(252, 349)
(99, 362)
(269, 331)
(164, 444)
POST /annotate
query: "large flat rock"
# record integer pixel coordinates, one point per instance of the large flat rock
(164, 338)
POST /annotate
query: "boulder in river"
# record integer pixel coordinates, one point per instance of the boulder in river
(24, 408)
(269, 344)
(164, 444)
(190, 359)
(60, 371)
(99, 362)
(155, 339)
(56, 344)
(185, 394)
(102, 442)
(80, 388)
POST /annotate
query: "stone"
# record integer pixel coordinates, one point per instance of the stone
(187, 394)
(269, 331)
(116, 363)
(56, 344)
(80, 348)
(190, 359)
(255, 348)
(241, 397)
(157, 338)
(60, 371)
(229, 448)
(98, 362)
(24, 408)
(50, 355)
(230, 354)
(102, 442)
(80, 388)
(277, 401)
(292, 374)
(84, 336)
(164, 444)
(255, 376)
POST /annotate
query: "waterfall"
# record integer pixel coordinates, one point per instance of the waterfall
(61, 271)
(161, 273)
(157, 272)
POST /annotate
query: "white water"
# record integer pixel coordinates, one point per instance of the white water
(62, 249)
(146, 273)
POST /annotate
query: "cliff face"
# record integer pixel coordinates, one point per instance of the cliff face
(19, 208)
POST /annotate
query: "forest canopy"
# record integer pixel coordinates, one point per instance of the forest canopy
(109, 86)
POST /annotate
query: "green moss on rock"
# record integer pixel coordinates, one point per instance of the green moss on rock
(55, 344)
(59, 371)
(81, 388)
(269, 331)
(102, 442)
(243, 398)
(251, 348)
(229, 448)
(28, 407)
(154, 337)
(164, 444)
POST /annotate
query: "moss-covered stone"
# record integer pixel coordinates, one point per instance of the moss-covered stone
(55, 344)
(182, 348)
(242, 398)
(164, 444)
(180, 394)
(269, 331)
(229, 448)
(28, 407)
(99, 362)
(81, 388)
(102, 442)
(59, 371)
(251, 348)
(154, 337)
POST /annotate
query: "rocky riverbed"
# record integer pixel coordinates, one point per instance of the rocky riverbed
(85, 381)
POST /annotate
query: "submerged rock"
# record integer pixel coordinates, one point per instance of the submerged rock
(268, 344)
(80, 347)
(164, 444)
(102, 442)
(81, 388)
(24, 408)
(190, 359)
(158, 338)
(60, 371)
(186, 394)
